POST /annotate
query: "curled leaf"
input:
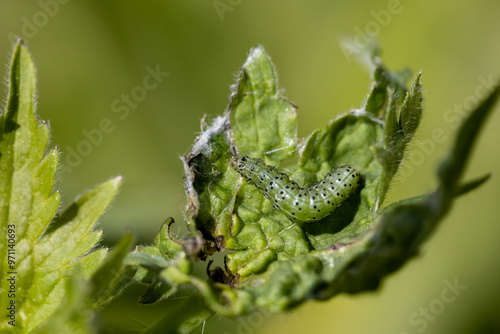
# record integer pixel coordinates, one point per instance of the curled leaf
(274, 262)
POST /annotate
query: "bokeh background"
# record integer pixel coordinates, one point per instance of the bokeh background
(92, 53)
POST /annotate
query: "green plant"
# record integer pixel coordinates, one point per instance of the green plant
(52, 274)
(275, 263)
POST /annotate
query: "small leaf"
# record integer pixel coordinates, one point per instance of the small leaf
(411, 112)
(471, 185)
(451, 170)
(155, 291)
(141, 257)
(377, 97)
(152, 261)
(168, 247)
(111, 277)
(188, 315)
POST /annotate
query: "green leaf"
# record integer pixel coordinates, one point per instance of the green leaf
(188, 315)
(411, 111)
(151, 262)
(263, 122)
(471, 185)
(110, 279)
(70, 317)
(452, 169)
(272, 262)
(396, 236)
(237, 216)
(44, 256)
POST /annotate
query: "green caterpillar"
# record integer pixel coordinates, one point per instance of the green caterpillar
(299, 204)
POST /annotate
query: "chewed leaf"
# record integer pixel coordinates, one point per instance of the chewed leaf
(259, 225)
(248, 194)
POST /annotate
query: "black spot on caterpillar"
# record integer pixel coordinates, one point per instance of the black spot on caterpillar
(300, 204)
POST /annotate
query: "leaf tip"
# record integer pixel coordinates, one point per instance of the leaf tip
(257, 54)
(257, 51)
(116, 181)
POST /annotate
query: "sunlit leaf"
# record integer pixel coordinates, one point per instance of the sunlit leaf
(46, 250)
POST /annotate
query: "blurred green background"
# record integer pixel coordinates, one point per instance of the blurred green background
(89, 54)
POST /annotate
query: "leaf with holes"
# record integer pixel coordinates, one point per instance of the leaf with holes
(274, 260)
